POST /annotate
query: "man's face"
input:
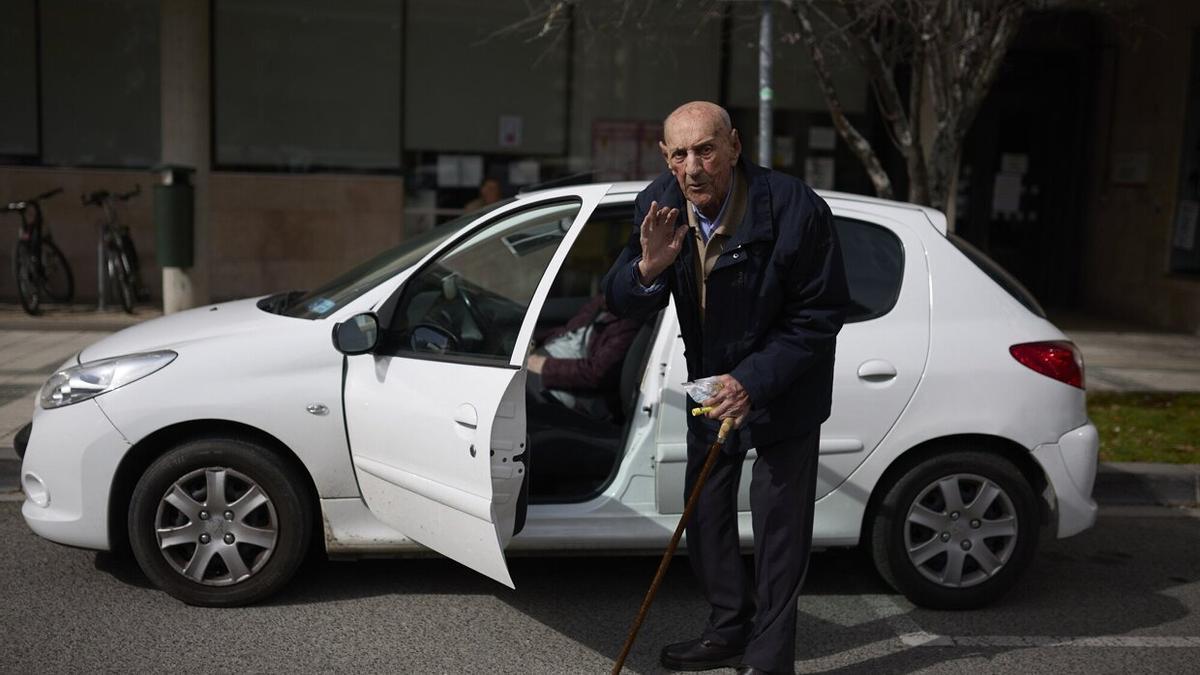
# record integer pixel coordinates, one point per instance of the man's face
(701, 155)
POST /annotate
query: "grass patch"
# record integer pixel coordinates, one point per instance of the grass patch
(1147, 427)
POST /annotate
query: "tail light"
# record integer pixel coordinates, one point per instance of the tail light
(1058, 359)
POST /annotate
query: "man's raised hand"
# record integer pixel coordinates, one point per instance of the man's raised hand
(661, 241)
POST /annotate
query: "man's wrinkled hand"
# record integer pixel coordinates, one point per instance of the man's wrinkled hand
(661, 241)
(535, 363)
(731, 400)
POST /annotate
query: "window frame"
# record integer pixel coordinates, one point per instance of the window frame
(395, 302)
(899, 288)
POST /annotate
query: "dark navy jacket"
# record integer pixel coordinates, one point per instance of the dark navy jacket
(776, 299)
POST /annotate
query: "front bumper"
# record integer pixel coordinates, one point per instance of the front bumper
(1070, 466)
(67, 474)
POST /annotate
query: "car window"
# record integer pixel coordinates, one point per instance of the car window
(998, 274)
(874, 259)
(468, 304)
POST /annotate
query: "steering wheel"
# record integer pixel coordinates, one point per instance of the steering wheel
(456, 290)
(432, 338)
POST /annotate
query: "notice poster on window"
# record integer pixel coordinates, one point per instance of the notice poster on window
(1006, 194)
(822, 138)
(1185, 225)
(459, 170)
(447, 171)
(818, 172)
(524, 172)
(510, 131)
(626, 149)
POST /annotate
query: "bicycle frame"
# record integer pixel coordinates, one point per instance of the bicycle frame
(109, 238)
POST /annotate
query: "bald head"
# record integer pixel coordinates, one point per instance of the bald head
(702, 112)
(701, 148)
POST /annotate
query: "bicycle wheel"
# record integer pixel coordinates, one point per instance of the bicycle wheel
(57, 280)
(25, 269)
(119, 285)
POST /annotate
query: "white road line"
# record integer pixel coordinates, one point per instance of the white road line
(851, 657)
(1147, 511)
(1153, 641)
(911, 634)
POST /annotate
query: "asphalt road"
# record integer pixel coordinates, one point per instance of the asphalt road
(1121, 598)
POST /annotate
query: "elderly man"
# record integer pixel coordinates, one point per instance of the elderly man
(753, 262)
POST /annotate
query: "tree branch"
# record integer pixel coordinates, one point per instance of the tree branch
(859, 145)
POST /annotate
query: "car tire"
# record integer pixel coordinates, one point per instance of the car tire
(220, 551)
(943, 556)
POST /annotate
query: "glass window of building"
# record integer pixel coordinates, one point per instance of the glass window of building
(100, 82)
(307, 85)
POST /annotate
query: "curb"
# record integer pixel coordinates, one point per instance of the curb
(1144, 483)
(74, 318)
(10, 475)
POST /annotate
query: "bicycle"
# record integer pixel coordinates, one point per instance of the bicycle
(38, 264)
(119, 271)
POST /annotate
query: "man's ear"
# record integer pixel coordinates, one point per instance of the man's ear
(736, 141)
(662, 147)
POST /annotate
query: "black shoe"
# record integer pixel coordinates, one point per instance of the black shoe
(699, 654)
(751, 670)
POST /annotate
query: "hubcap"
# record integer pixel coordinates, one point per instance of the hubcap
(216, 551)
(960, 530)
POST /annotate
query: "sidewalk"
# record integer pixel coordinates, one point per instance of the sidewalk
(1124, 357)
(32, 347)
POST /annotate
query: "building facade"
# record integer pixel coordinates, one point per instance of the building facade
(322, 132)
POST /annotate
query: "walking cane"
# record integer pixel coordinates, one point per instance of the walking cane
(713, 451)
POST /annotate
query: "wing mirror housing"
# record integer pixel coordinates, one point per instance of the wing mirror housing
(357, 335)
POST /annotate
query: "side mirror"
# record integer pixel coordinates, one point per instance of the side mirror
(357, 335)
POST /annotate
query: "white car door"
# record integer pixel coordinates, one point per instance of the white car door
(882, 348)
(436, 414)
(881, 353)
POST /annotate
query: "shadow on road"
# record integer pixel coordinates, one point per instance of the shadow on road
(1126, 576)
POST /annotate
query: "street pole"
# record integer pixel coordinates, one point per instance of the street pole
(766, 95)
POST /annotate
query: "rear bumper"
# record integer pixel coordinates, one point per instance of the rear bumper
(67, 474)
(1070, 466)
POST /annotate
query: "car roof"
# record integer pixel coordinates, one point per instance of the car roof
(631, 188)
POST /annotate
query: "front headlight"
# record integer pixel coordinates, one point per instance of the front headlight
(88, 380)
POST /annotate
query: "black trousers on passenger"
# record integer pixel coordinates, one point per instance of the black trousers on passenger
(757, 611)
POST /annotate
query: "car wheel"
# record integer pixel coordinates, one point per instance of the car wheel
(956, 530)
(220, 522)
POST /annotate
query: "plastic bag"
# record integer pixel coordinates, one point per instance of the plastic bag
(703, 389)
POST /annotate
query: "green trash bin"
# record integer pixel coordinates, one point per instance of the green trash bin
(174, 212)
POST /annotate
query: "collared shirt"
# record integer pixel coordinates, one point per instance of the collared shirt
(708, 225)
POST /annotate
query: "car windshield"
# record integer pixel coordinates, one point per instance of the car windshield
(335, 294)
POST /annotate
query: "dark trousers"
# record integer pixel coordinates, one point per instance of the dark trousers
(758, 612)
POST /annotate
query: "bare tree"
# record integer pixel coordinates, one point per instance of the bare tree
(930, 64)
(950, 52)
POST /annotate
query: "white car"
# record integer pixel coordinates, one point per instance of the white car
(221, 443)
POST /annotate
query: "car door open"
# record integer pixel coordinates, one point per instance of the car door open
(435, 415)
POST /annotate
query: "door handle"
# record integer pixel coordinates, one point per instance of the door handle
(876, 370)
(465, 415)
